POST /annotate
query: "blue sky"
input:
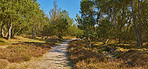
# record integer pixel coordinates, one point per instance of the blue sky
(72, 6)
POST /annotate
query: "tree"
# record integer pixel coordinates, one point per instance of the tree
(60, 23)
(17, 16)
(140, 37)
(119, 17)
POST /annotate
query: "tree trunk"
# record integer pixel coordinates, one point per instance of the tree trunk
(126, 35)
(122, 23)
(10, 31)
(141, 42)
(33, 35)
(89, 40)
(2, 30)
(135, 25)
(35, 31)
(119, 38)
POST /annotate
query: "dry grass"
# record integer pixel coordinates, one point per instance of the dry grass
(3, 63)
(69, 37)
(135, 58)
(22, 49)
(21, 53)
(85, 58)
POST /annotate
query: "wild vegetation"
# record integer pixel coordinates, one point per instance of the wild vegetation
(23, 49)
(115, 35)
(26, 17)
(111, 33)
(105, 57)
(27, 32)
(124, 21)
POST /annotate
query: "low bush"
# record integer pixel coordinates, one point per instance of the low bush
(21, 53)
(3, 63)
(135, 58)
(85, 58)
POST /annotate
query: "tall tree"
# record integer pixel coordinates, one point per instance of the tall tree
(139, 16)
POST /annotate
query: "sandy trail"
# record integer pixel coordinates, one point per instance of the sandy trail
(55, 59)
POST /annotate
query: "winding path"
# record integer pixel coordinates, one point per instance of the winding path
(55, 59)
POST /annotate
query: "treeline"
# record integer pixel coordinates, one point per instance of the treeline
(25, 17)
(123, 20)
(60, 24)
(21, 17)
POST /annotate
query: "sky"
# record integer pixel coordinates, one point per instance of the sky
(72, 6)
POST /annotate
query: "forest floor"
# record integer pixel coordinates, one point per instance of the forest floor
(107, 56)
(51, 53)
(26, 53)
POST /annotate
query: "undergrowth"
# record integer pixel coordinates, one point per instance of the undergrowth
(22, 49)
(84, 57)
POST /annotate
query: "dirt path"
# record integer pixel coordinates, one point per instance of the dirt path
(55, 59)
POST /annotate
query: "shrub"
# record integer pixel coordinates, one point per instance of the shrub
(3, 63)
(86, 58)
(21, 53)
(135, 58)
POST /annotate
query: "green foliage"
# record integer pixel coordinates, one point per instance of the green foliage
(22, 14)
(113, 19)
(60, 24)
